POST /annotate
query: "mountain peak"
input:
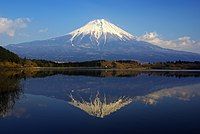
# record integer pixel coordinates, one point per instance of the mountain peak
(101, 29)
(99, 21)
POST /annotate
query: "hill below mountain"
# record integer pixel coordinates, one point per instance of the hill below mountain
(6, 55)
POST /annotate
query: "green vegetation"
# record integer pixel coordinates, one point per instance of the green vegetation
(11, 60)
(6, 55)
(8, 59)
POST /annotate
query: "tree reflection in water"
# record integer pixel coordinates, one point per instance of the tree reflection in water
(10, 91)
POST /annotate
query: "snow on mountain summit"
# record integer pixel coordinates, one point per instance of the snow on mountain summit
(101, 29)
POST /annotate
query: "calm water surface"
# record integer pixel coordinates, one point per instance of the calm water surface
(99, 102)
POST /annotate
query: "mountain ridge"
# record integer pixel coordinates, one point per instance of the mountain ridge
(98, 40)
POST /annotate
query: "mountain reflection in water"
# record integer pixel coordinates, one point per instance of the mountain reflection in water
(101, 107)
(102, 92)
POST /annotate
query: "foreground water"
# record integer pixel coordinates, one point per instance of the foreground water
(99, 101)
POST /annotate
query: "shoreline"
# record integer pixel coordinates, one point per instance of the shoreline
(96, 69)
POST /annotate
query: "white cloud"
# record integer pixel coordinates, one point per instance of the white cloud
(43, 30)
(10, 26)
(183, 43)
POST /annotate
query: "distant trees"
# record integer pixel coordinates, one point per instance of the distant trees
(175, 65)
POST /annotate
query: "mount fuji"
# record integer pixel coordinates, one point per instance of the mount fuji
(98, 40)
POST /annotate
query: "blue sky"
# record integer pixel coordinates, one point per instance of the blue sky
(49, 18)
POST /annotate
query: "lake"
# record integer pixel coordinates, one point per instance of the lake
(99, 101)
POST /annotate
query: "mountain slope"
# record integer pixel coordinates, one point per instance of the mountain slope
(6, 55)
(98, 40)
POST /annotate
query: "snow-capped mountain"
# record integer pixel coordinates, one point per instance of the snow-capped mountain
(99, 31)
(98, 40)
